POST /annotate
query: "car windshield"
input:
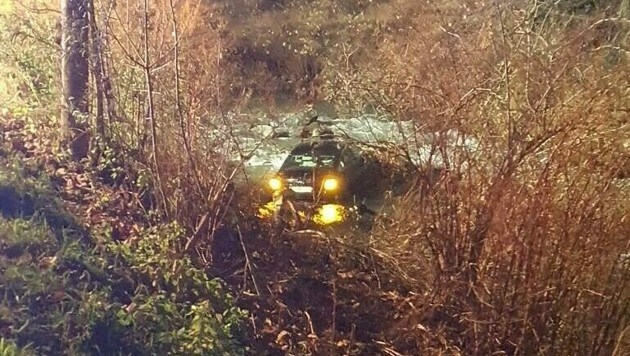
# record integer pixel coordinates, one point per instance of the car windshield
(309, 161)
(312, 157)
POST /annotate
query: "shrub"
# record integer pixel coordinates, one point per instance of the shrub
(517, 245)
(189, 311)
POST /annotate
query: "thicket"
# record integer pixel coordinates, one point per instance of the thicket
(516, 248)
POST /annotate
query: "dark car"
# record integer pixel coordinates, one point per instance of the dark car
(321, 182)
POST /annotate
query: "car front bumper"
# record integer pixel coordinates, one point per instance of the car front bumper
(319, 214)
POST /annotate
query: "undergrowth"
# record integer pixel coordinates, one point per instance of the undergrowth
(63, 293)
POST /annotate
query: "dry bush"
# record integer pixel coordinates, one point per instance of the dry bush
(174, 129)
(519, 243)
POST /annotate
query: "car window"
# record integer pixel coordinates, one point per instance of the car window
(312, 156)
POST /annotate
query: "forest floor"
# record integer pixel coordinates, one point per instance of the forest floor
(317, 294)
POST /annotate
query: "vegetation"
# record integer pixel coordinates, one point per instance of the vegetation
(518, 248)
(64, 292)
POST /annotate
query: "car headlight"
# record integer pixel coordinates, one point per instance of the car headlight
(330, 184)
(275, 184)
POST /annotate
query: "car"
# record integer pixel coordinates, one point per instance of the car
(323, 181)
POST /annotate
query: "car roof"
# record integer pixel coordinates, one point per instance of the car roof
(319, 147)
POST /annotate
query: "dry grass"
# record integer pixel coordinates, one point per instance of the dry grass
(520, 241)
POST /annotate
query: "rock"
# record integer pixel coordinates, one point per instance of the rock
(325, 108)
(263, 131)
(310, 117)
(281, 134)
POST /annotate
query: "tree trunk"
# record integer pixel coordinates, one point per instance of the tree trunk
(97, 72)
(74, 76)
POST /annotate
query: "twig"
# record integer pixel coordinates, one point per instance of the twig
(310, 323)
(253, 320)
(334, 309)
(352, 338)
(378, 279)
(248, 265)
(193, 239)
(151, 107)
(135, 59)
(178, 100)
(506, 77)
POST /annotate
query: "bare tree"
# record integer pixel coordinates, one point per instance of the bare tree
(74, 75)
(151, 106)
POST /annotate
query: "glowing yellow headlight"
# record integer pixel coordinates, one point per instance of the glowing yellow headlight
(275, 183)
(329, 213)
(331, 184)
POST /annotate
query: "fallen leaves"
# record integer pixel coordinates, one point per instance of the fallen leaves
(98, 206)
(300, 313)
